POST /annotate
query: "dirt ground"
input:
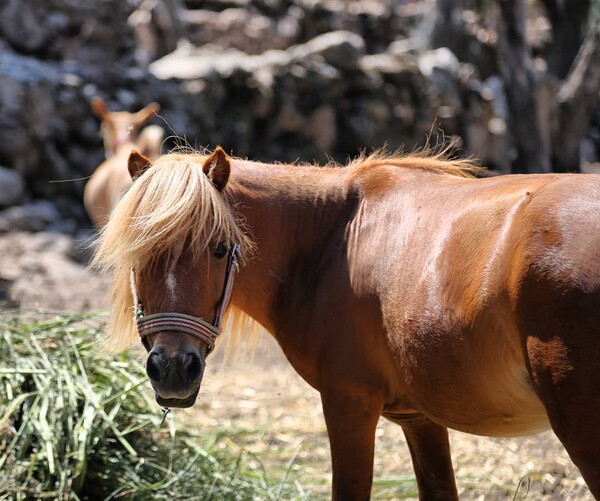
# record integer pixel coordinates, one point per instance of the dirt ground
(271, 415)
(267, 410)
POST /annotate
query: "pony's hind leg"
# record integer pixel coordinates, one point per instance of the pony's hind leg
(570, 393)
(562, 343)
(430, 452)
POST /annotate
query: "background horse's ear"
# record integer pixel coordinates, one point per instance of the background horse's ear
(217, 168)
(145, 114)
(137, 164)
(99, 108)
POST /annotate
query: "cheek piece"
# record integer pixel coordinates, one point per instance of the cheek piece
(187, 324)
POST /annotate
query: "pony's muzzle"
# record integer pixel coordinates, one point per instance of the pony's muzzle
(175, 377)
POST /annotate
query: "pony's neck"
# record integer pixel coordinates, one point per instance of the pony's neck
(290, 211)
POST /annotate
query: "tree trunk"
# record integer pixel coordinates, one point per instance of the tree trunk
(568, 19)
(449, 26)
(578, 98)
(520, 83)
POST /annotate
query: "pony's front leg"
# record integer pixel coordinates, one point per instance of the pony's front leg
(351, 422)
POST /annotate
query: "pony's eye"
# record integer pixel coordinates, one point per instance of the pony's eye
(220, 251)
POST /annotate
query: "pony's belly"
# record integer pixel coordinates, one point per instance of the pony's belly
(480, 419)
(494, 407)
(506, 422)
(482, 395)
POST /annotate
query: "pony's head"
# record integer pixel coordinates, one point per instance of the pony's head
(120, 127)
(172, 244)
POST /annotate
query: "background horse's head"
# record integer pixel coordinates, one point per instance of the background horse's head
(121, 127)
(174, 234)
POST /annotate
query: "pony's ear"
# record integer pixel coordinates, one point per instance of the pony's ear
(217, 168)
(146, 113)
(137, 164)
(99, 108)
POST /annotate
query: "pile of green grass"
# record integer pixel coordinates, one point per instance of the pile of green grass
(75, 424)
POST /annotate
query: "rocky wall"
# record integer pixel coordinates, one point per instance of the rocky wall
(292, 94)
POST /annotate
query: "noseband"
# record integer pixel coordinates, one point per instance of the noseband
(187, 324)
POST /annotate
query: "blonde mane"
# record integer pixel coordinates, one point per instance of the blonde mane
(427, 158)
(172, 204)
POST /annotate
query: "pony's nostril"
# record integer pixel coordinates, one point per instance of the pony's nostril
(153, 366)
(192, 366)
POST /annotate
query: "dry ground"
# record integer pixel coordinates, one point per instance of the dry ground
(269, 412)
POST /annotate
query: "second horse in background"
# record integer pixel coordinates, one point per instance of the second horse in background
(120, 135)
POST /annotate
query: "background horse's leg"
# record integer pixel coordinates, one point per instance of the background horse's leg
(351, 424)
(430, 452)
(562, 342)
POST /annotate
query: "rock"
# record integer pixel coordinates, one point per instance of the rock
(157, 28)
(190, 63)
(340, 49)
(241, 29)
(12, 187)
(34, 216)
(323, 129)
(38, 272)
(17, 18)
(290, 119)
(377, 23)
(493, 87)
(6, 300)
(439, 59)
(83, 246)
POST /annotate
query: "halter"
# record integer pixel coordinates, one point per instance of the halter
(187, 324)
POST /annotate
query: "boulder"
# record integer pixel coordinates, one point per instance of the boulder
(32, 264)
(34, 216)
(12, 187)
(340, 49)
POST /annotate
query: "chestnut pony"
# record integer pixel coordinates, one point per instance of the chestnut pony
(120, 135)
(401, 287)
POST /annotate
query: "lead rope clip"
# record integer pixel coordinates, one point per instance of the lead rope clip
(165, 411)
